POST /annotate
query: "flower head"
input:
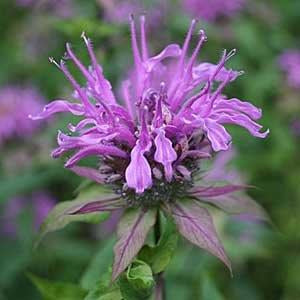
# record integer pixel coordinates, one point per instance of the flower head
(211, 10)
(164, 121)
(151, 142)
(16, 103)
(289, 62)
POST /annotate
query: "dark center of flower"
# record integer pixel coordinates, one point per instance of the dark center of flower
(161, 192)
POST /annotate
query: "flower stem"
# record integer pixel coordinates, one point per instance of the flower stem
(160, 289)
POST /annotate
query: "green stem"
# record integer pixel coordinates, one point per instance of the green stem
(160, 289)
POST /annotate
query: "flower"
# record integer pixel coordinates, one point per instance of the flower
(211, 10)
(15, 104)
(151, 146)
(40, 203)
(289, 62)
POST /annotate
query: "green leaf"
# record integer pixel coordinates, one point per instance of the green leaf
(57, 290)
(104, 289)
(61, 215)
(138, 282)
(158, 257)
(101, 261)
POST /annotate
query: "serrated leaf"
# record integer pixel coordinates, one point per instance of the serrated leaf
(158, 257)
(196, 225)
(57, 290)
(138, 282)
(64, 213)
(132, 232)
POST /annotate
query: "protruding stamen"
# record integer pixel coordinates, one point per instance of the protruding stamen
(202, 39)
(135, 48)
(77, 62)
(53, 61)
(144, 38)
(230, 54)
(186, 44)
(101, 80)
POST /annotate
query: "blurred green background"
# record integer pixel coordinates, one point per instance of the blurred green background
(266, 259)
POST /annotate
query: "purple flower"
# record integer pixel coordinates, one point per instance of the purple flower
(16, 103)
(289, 62)
(211, 10)
(151, 146)
(161, 109)
(40, 203)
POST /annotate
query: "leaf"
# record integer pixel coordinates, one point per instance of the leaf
(196, 225)
(132, 232)
(63, 213)
(158, 257)
(138, 282)
(57, 290)
(104, 290)
(100, 262)
(232, 203)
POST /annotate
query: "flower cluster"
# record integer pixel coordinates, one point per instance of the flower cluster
(211, 10)
(165, 120)
(289, 62)
(15, 104)
(151, 146)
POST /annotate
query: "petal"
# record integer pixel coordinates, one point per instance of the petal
(89, 173)
(138, 173)
(203, 72)
(172, 50)
(59, 106)
(244, 121)
(95, 150)
(217, 135)
(164, 154)
(237, 105)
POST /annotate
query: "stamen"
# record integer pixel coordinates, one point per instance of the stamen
(135, 48)
(202, 39)
(143, 38)
(230, 54)
(99, 74)
(77, 62)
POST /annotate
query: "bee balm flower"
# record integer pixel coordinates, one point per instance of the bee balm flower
(150, 142)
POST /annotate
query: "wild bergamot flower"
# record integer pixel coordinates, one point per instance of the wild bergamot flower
(151, 142)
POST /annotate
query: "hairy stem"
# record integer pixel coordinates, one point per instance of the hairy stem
(160, 289)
